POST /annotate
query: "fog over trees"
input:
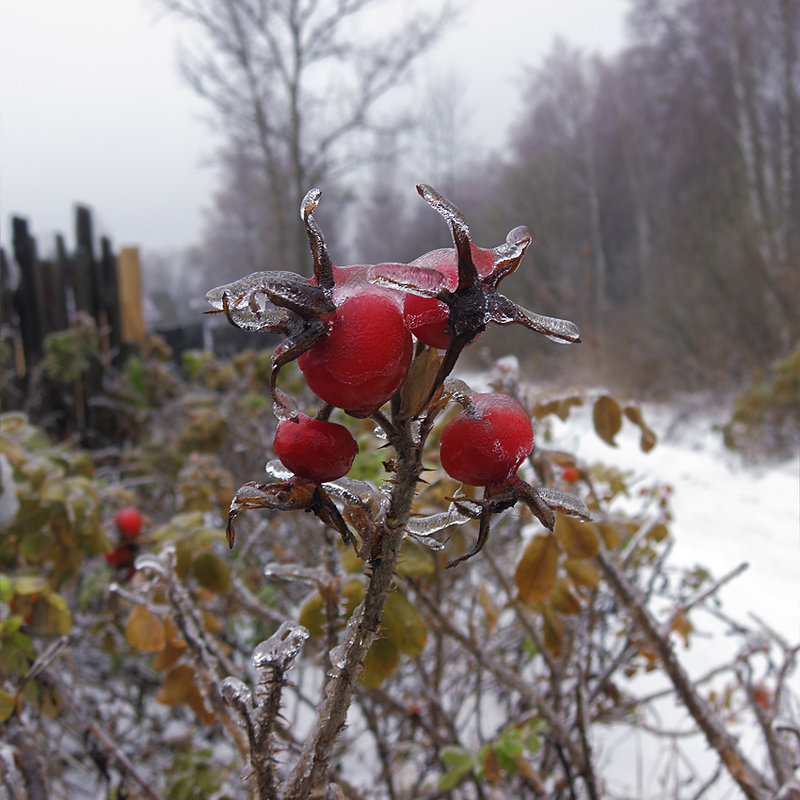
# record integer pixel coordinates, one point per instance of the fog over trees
(662, 184)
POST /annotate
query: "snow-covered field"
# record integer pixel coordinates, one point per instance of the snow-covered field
(726, 512)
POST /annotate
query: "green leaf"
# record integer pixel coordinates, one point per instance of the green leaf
(212, 572)
(607, 417)
(6, 589)
(460, 763)
(537, 570)
(7, 705)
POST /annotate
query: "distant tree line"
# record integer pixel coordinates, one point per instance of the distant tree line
(662, 184)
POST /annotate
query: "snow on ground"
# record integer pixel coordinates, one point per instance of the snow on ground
(726, 512)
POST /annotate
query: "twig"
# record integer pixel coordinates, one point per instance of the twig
(752, 783)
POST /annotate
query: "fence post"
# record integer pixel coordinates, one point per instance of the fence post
(28, 297)
(129, 275)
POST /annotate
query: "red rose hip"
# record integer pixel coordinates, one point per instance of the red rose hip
(365, 357)
(315, 450)
(485, 444)
(129, 522)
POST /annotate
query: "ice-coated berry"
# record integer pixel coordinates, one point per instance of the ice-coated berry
(427, 317)
(485, 444)
(365, 357)
(313, 449)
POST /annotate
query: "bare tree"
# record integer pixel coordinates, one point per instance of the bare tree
(292, 82)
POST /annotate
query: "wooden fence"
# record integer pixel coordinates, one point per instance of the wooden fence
(47, 295)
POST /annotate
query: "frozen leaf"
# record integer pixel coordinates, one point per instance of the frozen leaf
(427, 526)
(553, 629)
(611, 535)
(381, 661)
(537, 570)
(418, 384)
(607, 417)
(583, 573)
(658, 532)
(578, 539)
(565, 503)
(177, 685)
(682, 626)
(167, 657)
(648, 440)
(415, 560)
(403, 625)
(563, 599)
(211, 572)
(144, 630)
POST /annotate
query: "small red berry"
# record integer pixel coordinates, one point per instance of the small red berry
(129, 523)
(571, 474)
(315, 450)
(365, 357)
(485, 444)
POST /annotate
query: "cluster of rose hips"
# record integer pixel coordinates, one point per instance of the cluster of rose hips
(352, 331)
(128, 524)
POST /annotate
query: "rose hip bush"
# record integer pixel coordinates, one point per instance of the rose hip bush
(461, 609)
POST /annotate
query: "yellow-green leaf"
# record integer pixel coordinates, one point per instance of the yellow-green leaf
(212, 572)
(144, 630)
(7, 705)
(381, 661)
(403, 625)
(31, 584)
(607, 417)
(537, 570)
(312, 616)
(415, 560)
(579, 539)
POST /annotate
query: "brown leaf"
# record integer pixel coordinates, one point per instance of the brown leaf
(648, 440)
(607, 417)
(579, 539)
(582, 572)
(553, 629)
(144, 630)
(563, 598)
(611, 536)
(178, 682)
(418, 384)
(537, 570)
(489, 608)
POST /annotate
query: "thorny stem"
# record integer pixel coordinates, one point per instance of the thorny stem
(363, 627)
(752, 783)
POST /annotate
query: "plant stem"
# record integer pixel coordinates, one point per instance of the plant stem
(362, 629)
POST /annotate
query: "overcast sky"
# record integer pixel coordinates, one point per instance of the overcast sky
(93, 110)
